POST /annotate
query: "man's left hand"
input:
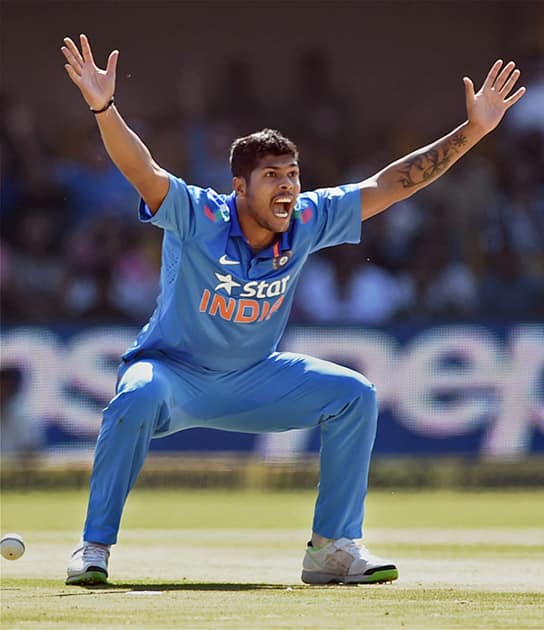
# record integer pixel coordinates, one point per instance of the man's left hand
(486, 107)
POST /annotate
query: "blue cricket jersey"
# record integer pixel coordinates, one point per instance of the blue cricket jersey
(221, 306)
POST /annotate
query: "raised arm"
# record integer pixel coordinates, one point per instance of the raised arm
(125, 148)
(413, 172)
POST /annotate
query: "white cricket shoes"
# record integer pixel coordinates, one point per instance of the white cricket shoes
(88, 564)
(345, 561)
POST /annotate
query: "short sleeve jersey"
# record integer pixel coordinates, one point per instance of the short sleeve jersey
(221, 306)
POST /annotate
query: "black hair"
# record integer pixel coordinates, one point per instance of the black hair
(246, 152)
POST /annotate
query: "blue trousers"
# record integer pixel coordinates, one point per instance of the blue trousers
(157, 397)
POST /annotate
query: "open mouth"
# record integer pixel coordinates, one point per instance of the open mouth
(281, 206)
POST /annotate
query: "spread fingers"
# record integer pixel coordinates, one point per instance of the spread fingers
(71, 59)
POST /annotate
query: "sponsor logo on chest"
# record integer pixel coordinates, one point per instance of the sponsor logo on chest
(256, 300)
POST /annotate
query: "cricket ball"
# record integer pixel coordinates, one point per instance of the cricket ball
(12, 546)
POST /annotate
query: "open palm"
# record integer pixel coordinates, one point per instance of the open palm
(486, 107)
(97, 86)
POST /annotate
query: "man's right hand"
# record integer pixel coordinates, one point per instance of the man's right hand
(96, 85)
(124, 147)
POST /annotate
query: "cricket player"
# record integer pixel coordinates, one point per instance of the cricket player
(230, 263)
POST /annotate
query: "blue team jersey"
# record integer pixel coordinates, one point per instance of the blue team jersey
(221, 306)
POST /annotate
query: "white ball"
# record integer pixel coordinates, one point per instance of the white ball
(12, 546)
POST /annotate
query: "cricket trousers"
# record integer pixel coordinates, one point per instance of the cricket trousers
(158, 396)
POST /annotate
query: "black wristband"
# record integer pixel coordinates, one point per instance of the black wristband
(106, 106)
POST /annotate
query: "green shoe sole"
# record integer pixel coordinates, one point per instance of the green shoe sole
(379, 576)
(386, 575)
(87, 579)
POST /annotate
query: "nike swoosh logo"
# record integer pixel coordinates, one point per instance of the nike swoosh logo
(226, 261)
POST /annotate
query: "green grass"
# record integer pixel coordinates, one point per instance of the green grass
(231, 559)
(224, 509)
(195, 605)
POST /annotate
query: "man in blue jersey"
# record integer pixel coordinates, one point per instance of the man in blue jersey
(207, 357)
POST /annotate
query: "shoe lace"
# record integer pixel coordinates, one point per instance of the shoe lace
(93, 553)
(356, 549)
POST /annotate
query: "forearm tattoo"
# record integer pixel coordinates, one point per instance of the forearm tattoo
(422, 168)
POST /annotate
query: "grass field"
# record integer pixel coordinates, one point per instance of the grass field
(231, 559)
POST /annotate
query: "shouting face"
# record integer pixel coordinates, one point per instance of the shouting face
(265, 202)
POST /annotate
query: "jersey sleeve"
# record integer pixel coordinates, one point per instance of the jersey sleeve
(186, 210)
(338, 215)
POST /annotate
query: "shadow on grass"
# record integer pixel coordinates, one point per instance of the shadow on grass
(196, 586)
(180, 586)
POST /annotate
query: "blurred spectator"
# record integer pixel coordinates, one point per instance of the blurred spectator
(440, 286)
(32, 291)
(506, 292)
(234, 100)
(319, 118)
(394, 232)
(208, 145)
(528, 115)
(468, 193)
(93, 252)
(22, 168)
(318, 294)
(135, 282)
(7, 288)
(517, 216)
(374, 292)
(337, 286)
(94, 186)
(168, 130)
(376, 296)
(231, 108)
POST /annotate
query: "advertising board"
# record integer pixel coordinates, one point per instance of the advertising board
(460, 388)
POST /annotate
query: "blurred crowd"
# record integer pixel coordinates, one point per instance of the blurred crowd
(470, 246)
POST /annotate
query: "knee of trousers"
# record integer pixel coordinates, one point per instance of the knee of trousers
(141, 404)
(362, 393)
(362, 410)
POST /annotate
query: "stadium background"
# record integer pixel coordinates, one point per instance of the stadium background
(442, 305)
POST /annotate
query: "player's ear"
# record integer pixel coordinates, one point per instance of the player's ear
(239, 186)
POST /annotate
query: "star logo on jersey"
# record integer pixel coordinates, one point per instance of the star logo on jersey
(226, 282)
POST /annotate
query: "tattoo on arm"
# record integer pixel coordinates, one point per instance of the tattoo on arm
(419, 169)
